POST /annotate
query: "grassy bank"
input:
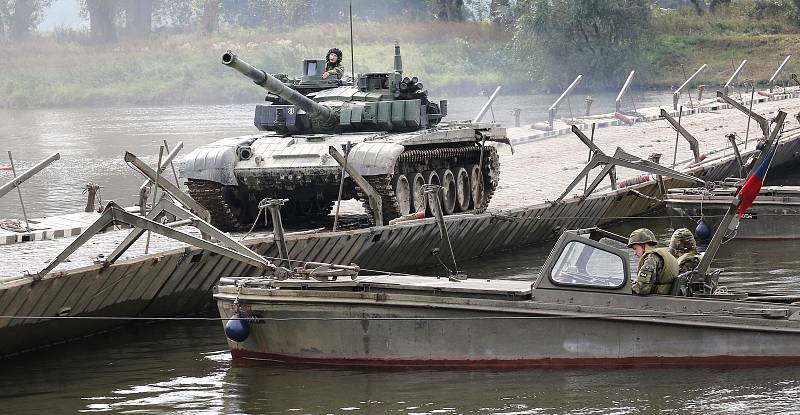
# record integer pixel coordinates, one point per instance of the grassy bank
(186, 68)
(457, 58)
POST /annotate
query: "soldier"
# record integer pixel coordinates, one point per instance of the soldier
(684, 247)
(333, 67)
(657, 267)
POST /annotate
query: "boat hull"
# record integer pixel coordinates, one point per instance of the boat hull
(333, 329)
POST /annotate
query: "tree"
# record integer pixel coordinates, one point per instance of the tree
(19, 17)
(698, 6)
(138, 17)
(210, 21)
(450, 10)
(501, 13)
(101, 20)
(597, 38)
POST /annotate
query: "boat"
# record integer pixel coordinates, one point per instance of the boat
(775, 214)
(578, 312)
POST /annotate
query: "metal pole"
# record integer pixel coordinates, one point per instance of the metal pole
(618, 101)
(553, 108)
(677, 136)
(274, 206)
(374, 196)
(752, 98)
(28, 174)
(777, 71)
(352, 58)
(19, 192)
(155, 193)
(735, 73)
(171, 164)
(487, 105)
(341, 187)
(676, 94)
(437, 192)
(591, 140)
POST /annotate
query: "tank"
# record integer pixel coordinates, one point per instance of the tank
(392, 133)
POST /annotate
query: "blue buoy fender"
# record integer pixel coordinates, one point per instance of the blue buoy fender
(702, 231)
(237, 329)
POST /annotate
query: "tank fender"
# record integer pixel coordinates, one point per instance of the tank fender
(374, 158)
(214, 161)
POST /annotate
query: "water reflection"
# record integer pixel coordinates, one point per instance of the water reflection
(181, 368)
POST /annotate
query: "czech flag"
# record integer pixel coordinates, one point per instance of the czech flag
(749, 192)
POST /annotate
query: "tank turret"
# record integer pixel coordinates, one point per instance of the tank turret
(323, 115)
(380, 101)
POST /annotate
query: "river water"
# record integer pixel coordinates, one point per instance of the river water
(183, 366)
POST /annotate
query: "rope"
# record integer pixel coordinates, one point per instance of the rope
(468, 318)
(13, 225)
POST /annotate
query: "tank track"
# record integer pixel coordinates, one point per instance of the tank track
(468, 154)
(226, 216)
(211, 195)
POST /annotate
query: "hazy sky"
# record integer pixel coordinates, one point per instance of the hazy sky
(64, 13)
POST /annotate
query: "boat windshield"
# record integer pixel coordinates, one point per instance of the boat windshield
(584, 265)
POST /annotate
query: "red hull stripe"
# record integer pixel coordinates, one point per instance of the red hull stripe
(708, 361)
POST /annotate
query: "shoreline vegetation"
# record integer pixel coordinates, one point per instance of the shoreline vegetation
(62, 68)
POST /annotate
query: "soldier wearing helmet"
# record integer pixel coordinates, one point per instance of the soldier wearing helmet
(684, 248)
(657, 267)
(333, 66)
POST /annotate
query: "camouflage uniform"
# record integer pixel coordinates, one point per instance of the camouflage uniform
(684, 248)
(657, 267)
(336, 69)
(688, 262)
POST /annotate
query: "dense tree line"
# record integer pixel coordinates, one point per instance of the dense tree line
(110, 19)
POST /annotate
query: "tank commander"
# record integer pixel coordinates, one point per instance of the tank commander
(333, 65)
(657, 267)
(684, 248)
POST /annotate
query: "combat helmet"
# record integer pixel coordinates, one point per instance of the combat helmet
(683, 241)
(642, 236)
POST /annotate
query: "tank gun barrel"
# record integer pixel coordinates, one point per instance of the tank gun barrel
(273, 85)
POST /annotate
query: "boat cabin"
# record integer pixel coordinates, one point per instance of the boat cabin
(596, 260)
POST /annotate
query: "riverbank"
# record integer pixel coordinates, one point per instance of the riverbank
(61, 70)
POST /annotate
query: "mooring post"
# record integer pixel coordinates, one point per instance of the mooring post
(588, 101)
(19, 192)
(516, 113)
(274, 206)
(91, 194)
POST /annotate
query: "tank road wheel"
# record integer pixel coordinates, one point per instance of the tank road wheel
(476, 186)
(463, 190)
(417, 196)
(431, 177)
(402, 193)
(449, 191)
